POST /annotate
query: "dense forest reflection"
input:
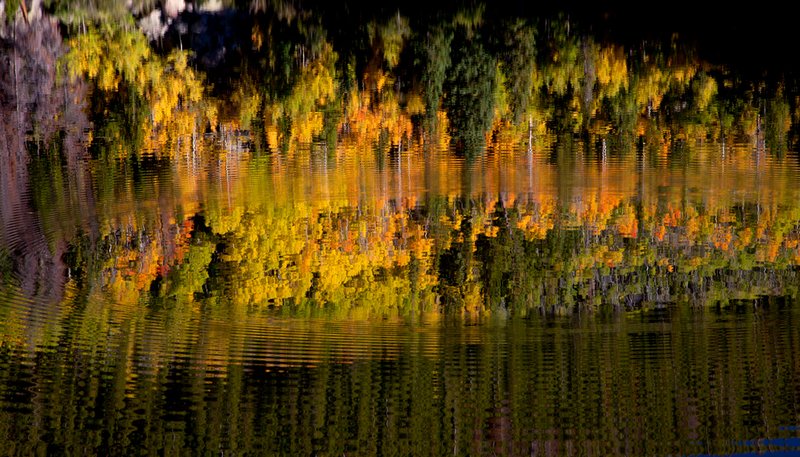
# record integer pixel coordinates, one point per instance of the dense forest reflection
(269, 226)
(262, 157)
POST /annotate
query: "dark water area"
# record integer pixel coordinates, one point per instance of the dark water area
(282, 228)
(661, 382)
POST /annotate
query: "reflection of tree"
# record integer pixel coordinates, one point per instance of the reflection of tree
(777, 123)
(436, 56)
(470, 93)
(457, 286)
(135, 85)
(518, 59)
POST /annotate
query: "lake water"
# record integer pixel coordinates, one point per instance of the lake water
(263, 233)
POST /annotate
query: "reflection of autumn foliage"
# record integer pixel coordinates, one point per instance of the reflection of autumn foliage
(119, 59)
(351, 197)
(275, 255)
(306, 235)
(356, 208)
(604, 92)
(328, 248)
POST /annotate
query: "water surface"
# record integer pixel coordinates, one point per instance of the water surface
(262, 232)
